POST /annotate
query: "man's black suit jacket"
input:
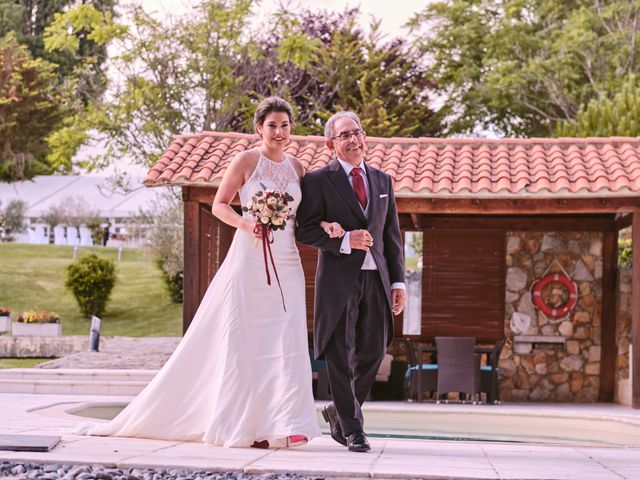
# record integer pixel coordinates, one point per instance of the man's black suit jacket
(328, 195)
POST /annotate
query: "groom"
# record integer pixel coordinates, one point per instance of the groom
(359, 278)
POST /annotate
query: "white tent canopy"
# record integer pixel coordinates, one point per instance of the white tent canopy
(43, 192)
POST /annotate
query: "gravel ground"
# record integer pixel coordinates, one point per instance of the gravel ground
(121, 353)
(33, 471)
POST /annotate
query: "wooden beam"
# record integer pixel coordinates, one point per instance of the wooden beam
(520, 206)
(191, 279)
(205, 195)
(608, 324)
(547, 223)
(623, 220)
(635, 312)
(414, 220)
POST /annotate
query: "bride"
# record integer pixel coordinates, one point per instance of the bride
(241, 376)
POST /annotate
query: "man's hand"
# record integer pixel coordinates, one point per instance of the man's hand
(360, 240)
(397, 300)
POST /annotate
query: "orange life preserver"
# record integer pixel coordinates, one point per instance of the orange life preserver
(549, 311)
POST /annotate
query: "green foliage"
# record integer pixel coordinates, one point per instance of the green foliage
(173, 282)
(163, 225)
(91, 280)
(207, 70)
(30, 108)
(96, 231)
(64, 43)
(324, 62)
(13, 216)
(604, 117)
(519, 67)
(625, 258)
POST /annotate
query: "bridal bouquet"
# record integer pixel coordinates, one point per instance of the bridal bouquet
(271, 209)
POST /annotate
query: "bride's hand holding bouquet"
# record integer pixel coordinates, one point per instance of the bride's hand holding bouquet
(271, 209)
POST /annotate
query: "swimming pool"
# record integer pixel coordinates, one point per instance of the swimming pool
(503, 423)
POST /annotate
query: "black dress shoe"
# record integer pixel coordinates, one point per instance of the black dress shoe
(357, 442)
(331, 417)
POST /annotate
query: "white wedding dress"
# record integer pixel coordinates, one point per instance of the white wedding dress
(242, 371)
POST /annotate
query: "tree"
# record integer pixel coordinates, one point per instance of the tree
(30, 109)
(605, 117)
(521, 66)
(181, 77)
(13, 217)
(324, 62)
(162, 226)
(67, 39)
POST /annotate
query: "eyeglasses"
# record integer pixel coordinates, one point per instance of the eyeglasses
(344, 136)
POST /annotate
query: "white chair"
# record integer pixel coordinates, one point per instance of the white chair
(86, 240)
(58, 235)
(41, 235)
(72, 236)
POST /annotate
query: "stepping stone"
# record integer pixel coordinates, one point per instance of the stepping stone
(28, 443)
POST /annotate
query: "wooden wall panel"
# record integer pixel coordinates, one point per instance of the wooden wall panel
(309, 258)
(463, 283)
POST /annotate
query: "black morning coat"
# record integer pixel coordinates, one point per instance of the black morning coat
(328, 195)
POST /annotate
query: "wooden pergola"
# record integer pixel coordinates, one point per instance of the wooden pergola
(454, 190)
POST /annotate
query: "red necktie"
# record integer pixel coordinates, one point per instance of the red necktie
(358, 187)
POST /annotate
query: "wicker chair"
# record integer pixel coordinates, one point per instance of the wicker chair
(490, 374)
(428, 371)
(458, 366)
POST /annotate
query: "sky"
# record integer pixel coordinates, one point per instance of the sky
(394, 14)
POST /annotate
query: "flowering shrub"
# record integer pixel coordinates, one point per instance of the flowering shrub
(38, 316)
(5, 312)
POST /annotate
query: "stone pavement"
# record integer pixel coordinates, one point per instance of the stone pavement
(121, 353)
(322, 457)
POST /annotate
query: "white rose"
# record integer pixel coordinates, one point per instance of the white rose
(264, 220)
(278, 221)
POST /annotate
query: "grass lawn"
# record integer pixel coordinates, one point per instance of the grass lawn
(32, 276)
(21, 362)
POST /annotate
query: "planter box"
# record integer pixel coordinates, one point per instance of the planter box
(36, 329)
(5, 324)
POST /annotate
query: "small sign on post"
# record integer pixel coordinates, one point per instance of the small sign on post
(94, 334)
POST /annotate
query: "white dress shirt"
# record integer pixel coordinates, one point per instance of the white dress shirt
(369, 262)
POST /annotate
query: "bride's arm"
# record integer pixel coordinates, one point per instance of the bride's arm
(233, 178)
(333, 229)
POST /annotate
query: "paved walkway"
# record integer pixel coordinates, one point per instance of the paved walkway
(322, 457)
(121, 353)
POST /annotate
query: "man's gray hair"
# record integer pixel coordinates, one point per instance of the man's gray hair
(328, 127)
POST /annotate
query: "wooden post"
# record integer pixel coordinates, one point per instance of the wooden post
(191, 280)
(635, 313)
(608, 323)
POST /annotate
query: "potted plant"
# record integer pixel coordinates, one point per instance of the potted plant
(5, 319)
(42, 323)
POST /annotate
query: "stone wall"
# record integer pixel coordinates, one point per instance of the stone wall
(553, 372)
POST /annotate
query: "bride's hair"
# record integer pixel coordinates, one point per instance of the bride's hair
(272, 104)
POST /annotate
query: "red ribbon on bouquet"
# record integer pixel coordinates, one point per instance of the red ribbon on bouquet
(267, 239)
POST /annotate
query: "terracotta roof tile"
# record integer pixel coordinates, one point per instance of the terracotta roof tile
(436, 167)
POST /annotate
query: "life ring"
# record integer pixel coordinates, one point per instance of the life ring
(550, 310)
